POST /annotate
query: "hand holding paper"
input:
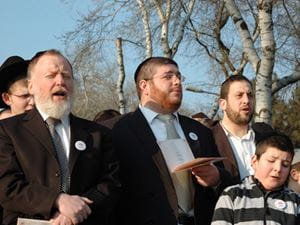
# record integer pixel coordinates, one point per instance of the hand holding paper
(203, 169)
(207, 175)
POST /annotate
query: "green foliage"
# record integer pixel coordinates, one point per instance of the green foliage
(286, 116)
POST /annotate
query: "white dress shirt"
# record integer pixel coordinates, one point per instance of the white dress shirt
(63, 130)
(159, 130)
(158, 127)
(243, 149)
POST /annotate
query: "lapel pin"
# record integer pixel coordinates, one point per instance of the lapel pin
(193, 136)
(80, 145)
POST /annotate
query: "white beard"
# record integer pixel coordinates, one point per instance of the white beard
(52, 109)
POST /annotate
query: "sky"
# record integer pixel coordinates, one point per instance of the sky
(29, 26)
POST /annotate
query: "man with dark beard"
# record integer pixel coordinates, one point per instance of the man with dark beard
(53, 165)
(150, 190)
(234, 136)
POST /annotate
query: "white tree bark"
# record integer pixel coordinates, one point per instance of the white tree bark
(263, 91)
(164, 20)
(121, 78)
(148, 36)
(241, 26)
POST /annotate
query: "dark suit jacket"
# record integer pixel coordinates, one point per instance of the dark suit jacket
(29, 170)
(225, 148)
(148, 195)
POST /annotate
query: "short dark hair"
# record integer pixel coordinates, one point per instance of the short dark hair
(38, 55)
(226, 84)
(275, 140)
(145, 69)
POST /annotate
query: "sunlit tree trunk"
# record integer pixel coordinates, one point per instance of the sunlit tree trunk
(121, 78)
(148, 36)
(263, 87)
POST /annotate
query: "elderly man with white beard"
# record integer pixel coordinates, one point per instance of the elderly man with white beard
(53, 165)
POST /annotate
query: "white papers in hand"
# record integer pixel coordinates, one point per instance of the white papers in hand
(175, 152)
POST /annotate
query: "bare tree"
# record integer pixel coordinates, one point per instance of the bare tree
(121, 78)
(229, 37)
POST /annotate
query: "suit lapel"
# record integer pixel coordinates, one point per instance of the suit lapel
(145, 134)
(195, 145)
(225, 149)
(77, 134)
(35, 124)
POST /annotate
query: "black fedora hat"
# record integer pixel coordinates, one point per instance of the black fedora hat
(13, 69)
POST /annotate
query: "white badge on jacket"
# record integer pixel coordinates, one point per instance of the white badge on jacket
(80, 145)
(193, 136)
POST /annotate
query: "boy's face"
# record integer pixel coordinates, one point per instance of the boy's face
(272, 169)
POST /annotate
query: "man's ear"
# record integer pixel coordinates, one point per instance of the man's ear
(29, 86)
(294, 175)
(6, 98)
(143, 85)
(222, 103)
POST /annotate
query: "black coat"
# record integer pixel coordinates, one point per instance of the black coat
(148, 195)
(29, 170)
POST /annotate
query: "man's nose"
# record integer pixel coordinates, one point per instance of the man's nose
(277, 167)
(59, 79)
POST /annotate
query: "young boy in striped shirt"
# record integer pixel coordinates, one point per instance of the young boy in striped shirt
(262, 199)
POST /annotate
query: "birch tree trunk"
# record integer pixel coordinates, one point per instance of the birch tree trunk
(121, 78)
(148, 36)
(242, 28)
(164, 20)
(263, 87)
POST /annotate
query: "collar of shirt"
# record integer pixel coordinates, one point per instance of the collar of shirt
(62, 129)
(150, 115)
(249, 136)
(64, 120)
(157, 126)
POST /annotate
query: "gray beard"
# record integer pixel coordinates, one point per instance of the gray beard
(55, 110)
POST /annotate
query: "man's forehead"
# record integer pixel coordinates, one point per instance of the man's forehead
(166, 68)
(52, 62)
(240, 86)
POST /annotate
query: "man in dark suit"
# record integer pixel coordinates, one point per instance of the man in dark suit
(234, 135)
(36, 180)
(149, 190)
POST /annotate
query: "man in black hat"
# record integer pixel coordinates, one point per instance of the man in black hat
(15, 98)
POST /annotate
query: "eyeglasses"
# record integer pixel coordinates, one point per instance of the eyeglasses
(169, 76)
(23, 96)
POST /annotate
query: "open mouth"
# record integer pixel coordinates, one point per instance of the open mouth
(60, 94)
(247, 110)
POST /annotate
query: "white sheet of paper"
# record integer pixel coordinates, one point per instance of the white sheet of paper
(175, 152)
(25, 221)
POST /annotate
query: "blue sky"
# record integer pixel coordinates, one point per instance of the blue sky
(29, 26)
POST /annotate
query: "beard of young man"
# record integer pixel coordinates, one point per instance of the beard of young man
(170, 100)
(237, 117)
(54, 109)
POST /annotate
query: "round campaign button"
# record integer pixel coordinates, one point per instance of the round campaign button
(193, 136)
(280, 204)
(80, 145)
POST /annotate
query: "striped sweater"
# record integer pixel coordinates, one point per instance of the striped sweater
(248, 204)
